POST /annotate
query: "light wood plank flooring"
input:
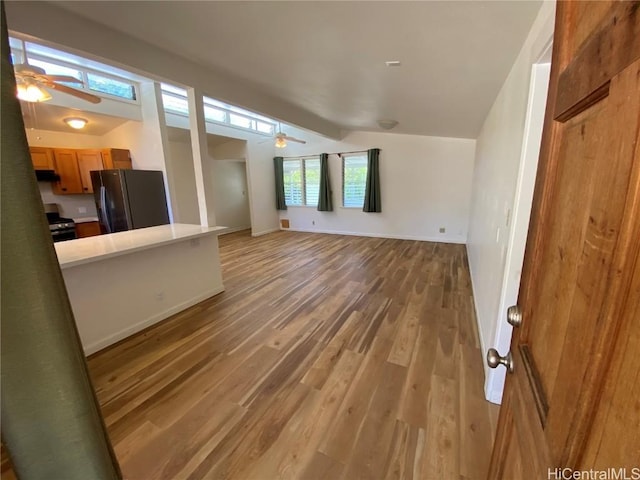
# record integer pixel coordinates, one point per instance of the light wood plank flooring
(326, 357)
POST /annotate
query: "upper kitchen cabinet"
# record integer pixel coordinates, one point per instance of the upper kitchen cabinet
(74, 166)
(116, 158)
(66, 165)
(88, 160)
(42, 158)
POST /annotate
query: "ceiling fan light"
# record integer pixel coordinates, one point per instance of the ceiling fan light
(30, 92)
(76, 122)
(281, 142)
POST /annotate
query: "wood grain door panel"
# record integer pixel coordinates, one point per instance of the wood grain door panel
(67, 167)
(578, 292)
(88, 160)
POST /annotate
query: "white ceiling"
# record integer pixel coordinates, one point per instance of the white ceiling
(328, 57)
(47, 116)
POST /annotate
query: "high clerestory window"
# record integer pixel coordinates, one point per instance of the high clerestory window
(175, 101)
(96, 78)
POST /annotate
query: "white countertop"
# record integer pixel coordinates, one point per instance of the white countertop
(91, 249)
(85, 219)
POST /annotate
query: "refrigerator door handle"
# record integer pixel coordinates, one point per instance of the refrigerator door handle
(103, 209)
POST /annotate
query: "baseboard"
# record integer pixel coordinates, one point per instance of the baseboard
(264, 232)
(122, 334)
(234, 229)
(458, 241)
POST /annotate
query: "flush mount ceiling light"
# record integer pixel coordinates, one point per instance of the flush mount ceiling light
(76, 122)
(30, 92)
(393, 63)
(387, 124)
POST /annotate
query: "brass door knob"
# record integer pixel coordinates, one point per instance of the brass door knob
(494, 359)
(514, 316)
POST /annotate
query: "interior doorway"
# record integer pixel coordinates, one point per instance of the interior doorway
(519, 221)
(231, 200)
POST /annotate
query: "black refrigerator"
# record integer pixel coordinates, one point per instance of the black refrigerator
(129, 199)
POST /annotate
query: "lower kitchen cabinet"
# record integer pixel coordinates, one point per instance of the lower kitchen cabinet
(88, 229)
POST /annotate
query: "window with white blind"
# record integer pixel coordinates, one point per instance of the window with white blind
(311, 181)
(292, 172)
(301, 181)
(354, 179)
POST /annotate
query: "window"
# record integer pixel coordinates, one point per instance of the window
(292, 171)
(311, 181)
(111, 86)
(354, 179)
(301, 181)
(94, 76)
(53, 69)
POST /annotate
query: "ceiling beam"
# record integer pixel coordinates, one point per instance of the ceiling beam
(49, 23)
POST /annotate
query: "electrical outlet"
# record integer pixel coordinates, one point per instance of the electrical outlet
(82, 209)
(442, 229)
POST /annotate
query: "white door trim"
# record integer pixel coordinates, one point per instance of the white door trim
(519, 221)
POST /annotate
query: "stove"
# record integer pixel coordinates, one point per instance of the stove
(61, 228)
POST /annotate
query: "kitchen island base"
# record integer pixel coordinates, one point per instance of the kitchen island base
(118, 293)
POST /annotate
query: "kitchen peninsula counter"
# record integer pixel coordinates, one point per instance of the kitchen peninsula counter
(91, 249)
(122, 283)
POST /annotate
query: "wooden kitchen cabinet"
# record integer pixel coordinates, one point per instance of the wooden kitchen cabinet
(116, 158)
(42, 158)
(66, 165)
(88, 229)
(88, 160)
(74, 166)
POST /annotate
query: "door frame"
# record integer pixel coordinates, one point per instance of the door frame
(520, 212)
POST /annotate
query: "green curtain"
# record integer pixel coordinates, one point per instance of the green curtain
(372, 201)
(279, 172)
(51, 421)
(324, 197)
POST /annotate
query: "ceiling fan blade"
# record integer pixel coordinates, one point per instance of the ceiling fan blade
(72, 91)
(293, 139)
(61, 78)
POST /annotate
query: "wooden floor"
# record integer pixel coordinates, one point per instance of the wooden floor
(326, 357)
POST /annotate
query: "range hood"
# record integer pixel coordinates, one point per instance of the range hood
(47, 176)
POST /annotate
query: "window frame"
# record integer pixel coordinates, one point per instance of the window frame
(227, 111)
(81, 69)
(344, 157)
(303, 176)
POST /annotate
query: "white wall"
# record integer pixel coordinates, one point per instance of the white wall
(498, 152)
(258, 153)
(229, 180)
(425, 184)
(186, 196)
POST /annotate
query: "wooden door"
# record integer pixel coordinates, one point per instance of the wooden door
(42, 158)
(88, 160)
(67, 167)
(573, 400)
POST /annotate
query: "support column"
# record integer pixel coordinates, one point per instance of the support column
(201, 159)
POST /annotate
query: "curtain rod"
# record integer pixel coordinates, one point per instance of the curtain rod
(333, 153)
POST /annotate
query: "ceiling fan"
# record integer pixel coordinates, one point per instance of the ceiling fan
(282, 138)
(32, 81)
